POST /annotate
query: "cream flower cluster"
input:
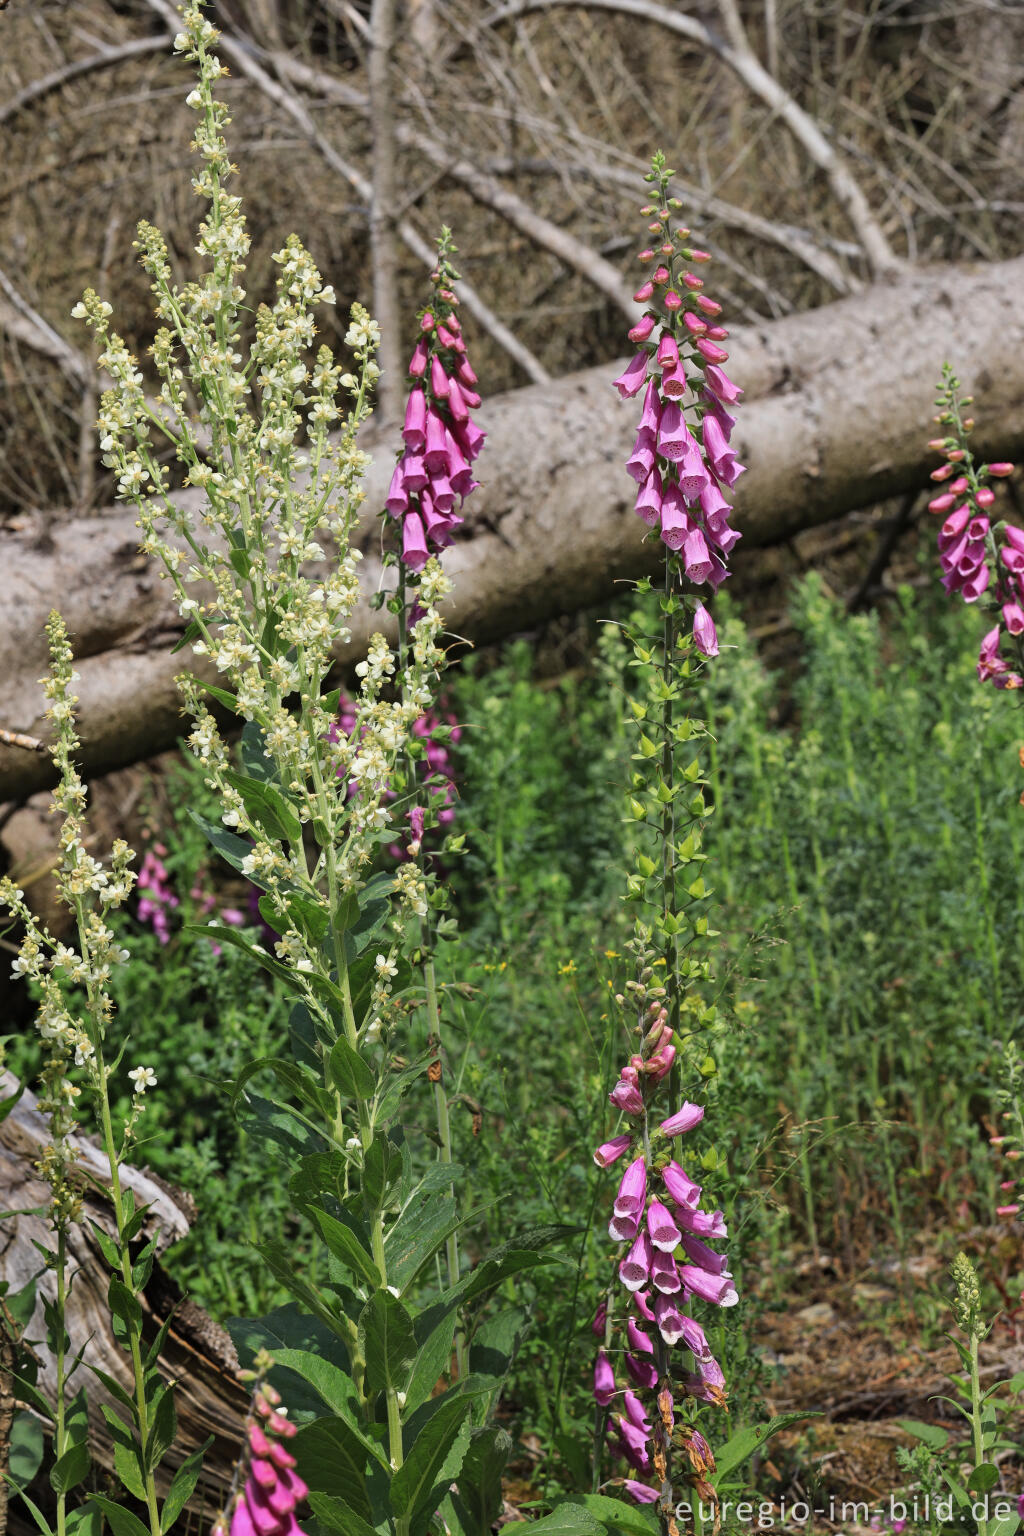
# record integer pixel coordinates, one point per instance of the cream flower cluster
(261, 560)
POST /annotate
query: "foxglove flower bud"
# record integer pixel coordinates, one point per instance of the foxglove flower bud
(704, 633)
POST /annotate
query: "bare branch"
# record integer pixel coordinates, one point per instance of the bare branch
(243, 56)
(78, 67)
(20, 320)
(744, 62)
(573, 252)
(798, 242)
(383, 203)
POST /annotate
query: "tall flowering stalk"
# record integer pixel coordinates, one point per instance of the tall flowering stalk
(266, 578)
(434, 472)
(271, 1488)
(431, 480)
(655, 1365)
(982, 559)
(75, 1020)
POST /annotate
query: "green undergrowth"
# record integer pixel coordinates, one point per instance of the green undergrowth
(866, 850)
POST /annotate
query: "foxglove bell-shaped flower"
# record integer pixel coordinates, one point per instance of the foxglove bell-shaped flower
(635, 1411)
(632, 1189)
(610, 1151)
(696, 556)
(683, 1120)
(661, 1229)
(718, 1289)
(649, 499)
(636, 1266)
(640, 1492)
(414, 542)
(272, 1489)
(604, 1379)
(644, 1372)
(664, 1273)
(414, 430)
(631, 381)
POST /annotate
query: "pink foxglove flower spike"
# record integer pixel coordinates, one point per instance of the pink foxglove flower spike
(684, 464)
(441, 439)
(981, 557)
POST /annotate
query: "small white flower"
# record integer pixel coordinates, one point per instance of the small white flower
(142, 1078)
(385, 967)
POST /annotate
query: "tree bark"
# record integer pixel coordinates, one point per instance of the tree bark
(198, 1355)
(835, 417)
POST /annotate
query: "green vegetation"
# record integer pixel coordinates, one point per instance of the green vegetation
(866, 851)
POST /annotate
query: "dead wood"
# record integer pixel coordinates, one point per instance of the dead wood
(836, 414)
(198, 1355)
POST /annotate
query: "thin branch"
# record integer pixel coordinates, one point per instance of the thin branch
(60, 77)
(787, 237)
(241, 55)
(383, 206)
(25, 324)
(573, 252)
(744, 62)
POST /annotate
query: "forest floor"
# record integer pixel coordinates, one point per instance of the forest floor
(868, 1357)
(862, 1357)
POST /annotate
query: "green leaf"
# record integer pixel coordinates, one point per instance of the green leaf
(254, 756)
(616, 1515)
(333, 1515)
(123, 1305)
(193, 630)
(747, 1441)
(984, 1478)
(267, 807)
(334, 1387)
(34, 1511)
(281, 1125)
(85, 1521)
(568, 1520)
(234, 850)
(122, 1521)
(279, 1260)
(162, 1430)
(222, 695)
(388, 1342)
(21, 1304)
(346, 1247)
(183, 1485)
(414, 1485)
(305, 913)
(70, 1469)
(394, 1089)
(31, 1394)
(479, 1497)
(220, 933)
(1006, 1525)
(432, 1361)
(127, 1463)
(26, 1449)
(383, 1165)
(6, 1105)
(417, 1235)
(931, 1435)
(349, 1073)
(299, 1080)
(332, 1460)
(496, 1343)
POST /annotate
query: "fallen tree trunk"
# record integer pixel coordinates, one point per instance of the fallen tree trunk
(198, 1354)
(835, 417)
